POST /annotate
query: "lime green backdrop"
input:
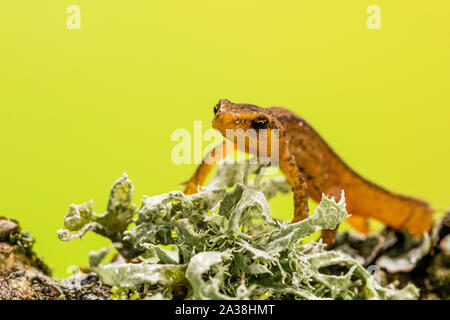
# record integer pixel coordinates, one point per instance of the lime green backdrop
(79, 107)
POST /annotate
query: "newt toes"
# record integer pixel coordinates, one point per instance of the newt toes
(313, 168)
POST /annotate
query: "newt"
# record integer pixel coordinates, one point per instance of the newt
(313, 168)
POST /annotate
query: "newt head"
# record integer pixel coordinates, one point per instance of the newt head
(257, 126)
(234, 116)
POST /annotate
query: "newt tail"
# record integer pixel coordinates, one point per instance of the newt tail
(367, 200)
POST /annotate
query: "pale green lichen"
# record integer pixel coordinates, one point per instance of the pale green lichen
(111, 224)
(220, 244)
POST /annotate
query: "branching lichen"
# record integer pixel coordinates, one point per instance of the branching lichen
(224, 244)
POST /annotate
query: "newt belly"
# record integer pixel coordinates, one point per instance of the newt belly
(313, 168)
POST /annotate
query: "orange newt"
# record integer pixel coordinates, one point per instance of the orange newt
(313, 168)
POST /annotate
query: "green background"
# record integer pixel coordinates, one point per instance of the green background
(80, 107)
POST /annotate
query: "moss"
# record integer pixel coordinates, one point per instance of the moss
(25, 276)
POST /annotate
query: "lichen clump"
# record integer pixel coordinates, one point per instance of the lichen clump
(223, 243)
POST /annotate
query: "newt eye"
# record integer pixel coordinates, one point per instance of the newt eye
(216, 107)
(260, 122)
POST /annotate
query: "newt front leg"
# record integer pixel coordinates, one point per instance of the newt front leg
(298, 183)
(287, 165)
(215, 155)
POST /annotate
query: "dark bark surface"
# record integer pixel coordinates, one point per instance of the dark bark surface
(24, 276)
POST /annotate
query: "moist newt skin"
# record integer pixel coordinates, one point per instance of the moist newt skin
(313, 168)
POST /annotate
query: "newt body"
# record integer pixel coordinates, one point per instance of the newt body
(313, 168)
